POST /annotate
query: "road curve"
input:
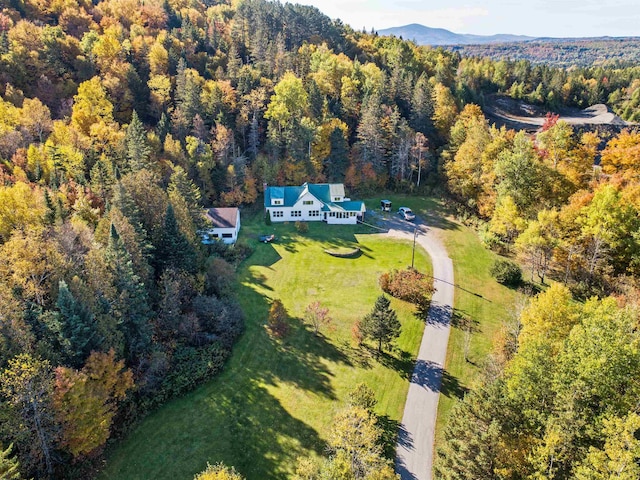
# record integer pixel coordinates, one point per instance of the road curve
(415, 449)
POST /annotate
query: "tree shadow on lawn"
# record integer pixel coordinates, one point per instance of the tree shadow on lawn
(251, 428)
(253, 432)
(436, 216)
(463, 321)
(264, 255)
(397, 360)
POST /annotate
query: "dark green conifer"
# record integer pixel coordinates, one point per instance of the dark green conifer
(138, 149)
(174, 250)
(78, 325)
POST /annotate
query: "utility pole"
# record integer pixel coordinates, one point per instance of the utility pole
(413, 253)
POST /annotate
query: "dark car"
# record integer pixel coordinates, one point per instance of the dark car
(267, 238)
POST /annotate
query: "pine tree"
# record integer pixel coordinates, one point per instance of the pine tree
(130, 305)
(50, 212)
(338, 161)
(370, 134)
(9, 465)
(174, 250)
(138, 149)
(422, 107)
(382, 324)
(78, 325)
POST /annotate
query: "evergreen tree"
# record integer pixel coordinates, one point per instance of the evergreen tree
(382, 324)
(50, 209)
(181, 184)
(163, 127)
(130, 305)
(138, 149)
(370, 134)
(174, 250)
(422, 107)
(337, 162)
(9, 465)
(78, 325)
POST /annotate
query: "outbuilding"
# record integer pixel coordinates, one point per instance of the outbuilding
(223, 225)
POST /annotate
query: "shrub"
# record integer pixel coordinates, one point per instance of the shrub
(363, 396)
(233, 254)
(302, 227)
(356, 334)
(409, 285)
(277, 322)
(506, 272)
(219, 277)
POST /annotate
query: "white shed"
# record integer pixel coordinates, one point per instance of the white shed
(224, 225)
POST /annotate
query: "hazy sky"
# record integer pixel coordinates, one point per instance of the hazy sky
(538, 18)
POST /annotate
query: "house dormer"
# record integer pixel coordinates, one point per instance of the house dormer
(277, 196)
(336, 192)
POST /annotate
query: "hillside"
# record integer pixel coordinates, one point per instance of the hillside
(584, 52)
(423, 35)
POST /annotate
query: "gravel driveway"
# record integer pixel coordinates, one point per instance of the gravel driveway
(415, 449)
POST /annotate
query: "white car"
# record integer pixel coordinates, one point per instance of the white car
(406, 213)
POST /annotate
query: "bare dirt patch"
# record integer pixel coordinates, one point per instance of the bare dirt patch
(520, 115)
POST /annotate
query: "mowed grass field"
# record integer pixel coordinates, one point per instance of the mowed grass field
(478, 298)
(275, 399)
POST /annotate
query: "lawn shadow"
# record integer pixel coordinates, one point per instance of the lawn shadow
(432, 376)
(402, 363)
(288, 243)
(358, 356)
(438, 215)
(463, 321)
(246, 422)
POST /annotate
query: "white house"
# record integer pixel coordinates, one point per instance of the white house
(224, 225)
(312, 202)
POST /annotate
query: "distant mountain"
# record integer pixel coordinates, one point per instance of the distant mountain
(439, 36)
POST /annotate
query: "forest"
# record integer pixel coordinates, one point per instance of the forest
(561, 52)
(120, 120)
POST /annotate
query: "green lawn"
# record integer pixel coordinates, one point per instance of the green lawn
(275, 399)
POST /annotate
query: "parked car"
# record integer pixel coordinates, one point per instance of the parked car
(267, 238)
(385, 205)
(406, 213)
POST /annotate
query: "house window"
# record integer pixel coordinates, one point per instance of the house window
(352, 214)
(213, 235)
(277, 213)
(227, 235)
(336, 199)
(296, 213)
(314, 213)
(332, 214)
(307, 202)
(277, 202)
